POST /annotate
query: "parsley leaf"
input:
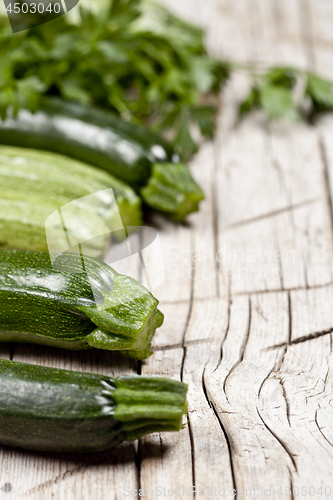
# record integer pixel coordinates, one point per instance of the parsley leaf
(277, 102)
(320, 92)
(272, 92)
(251, 101)
(281, 76)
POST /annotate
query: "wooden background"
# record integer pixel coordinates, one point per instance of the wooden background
(248, 298)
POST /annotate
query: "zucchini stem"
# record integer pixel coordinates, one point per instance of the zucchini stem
(171, 189)
(149, 404)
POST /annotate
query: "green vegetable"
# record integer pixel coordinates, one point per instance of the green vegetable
(272, 91)
(138, 60)
(250, 103)
(34, 184)
(82, 305)
(102, 139)
(320, 92)
(277, 102)
(171, 188)
(64, 411)
(132, 57)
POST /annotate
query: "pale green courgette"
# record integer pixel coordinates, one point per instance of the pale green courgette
(35, 184)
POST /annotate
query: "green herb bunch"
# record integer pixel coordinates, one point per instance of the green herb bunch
(138, 60)
(133, 57)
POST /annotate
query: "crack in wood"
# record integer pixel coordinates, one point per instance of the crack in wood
(282, 443)
(291, 485)
(171, 346)
(275, 368)
(225, 337)
(283, 345)
(326, 376)
(329, 200)
(187, 343)
(284, 393)
(215, 223)
(228, 438)
(189, 425)
(183, 364)
(190, 430)
(268, 215)
(280, 362)
(254, 292)
(260, 312)
(68, 473)
(320, 429)
(277, 290)
(290, 326)
(300, 340)
(246, 339)
(188, 316)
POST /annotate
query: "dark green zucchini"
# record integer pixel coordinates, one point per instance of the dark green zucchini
(102, 139)
(65, 411)
(87, 304)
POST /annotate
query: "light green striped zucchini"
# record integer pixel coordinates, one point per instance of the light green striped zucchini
(34, 184)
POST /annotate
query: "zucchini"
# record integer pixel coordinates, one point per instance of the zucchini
(58, 410)
(87, 304)
(34, 184)
(102, 139)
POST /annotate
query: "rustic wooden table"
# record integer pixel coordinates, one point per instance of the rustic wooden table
(248, 299)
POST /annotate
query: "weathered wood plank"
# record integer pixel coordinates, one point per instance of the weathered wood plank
(287, 250)
(325, 129)
(212, 468)
(208, 322)
(267, 176)
(258, 459)
(294, 400)
(173, 260)
(173, 329)
(318, 26)
(187, 258)
(166, 459)
(280, 39)
(294, 405)
(204, 264)
(312, 312)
